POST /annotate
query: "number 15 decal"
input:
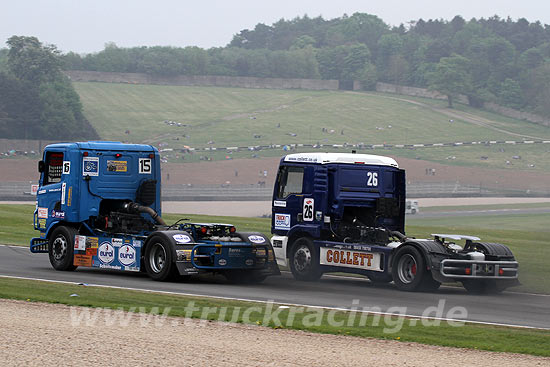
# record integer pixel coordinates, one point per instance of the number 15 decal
(372, 179)
(308, 210)
(145, 165)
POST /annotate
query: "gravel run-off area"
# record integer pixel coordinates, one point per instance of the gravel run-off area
(40, 334)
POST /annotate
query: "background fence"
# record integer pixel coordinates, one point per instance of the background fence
(21, 191)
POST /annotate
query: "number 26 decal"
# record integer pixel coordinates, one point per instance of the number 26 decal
(307, 212)
(372, 179)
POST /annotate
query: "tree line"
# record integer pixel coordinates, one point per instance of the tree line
(37, 101)
(489, 60)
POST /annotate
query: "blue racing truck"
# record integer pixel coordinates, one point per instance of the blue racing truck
(345, 212)
(99, 205)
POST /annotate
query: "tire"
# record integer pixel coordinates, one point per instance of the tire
(159, 259)
(380, 278)
(61, 248)
(409, 271)
(304, 260)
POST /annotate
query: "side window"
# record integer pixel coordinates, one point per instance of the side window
(290, 181)
(54, 168)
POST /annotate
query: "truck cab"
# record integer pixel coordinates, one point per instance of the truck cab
(334, 199)
(345, 212)
(99, 205)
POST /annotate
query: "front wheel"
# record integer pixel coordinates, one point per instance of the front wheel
(61, 248)
(304, 260)
(158, 259)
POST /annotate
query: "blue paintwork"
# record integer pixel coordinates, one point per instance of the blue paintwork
(335, 186)
(97, 171)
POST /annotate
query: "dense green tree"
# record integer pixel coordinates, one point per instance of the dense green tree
(510, 94)
(37, 101)
(351, 48)
(451, 77)
(30, 60)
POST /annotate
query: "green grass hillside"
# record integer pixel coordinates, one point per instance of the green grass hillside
(226, 117)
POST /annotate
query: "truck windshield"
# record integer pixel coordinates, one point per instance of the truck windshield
(54, 166)
(290, 181)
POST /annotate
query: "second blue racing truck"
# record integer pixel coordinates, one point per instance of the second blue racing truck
(98, 205)
(345, 212)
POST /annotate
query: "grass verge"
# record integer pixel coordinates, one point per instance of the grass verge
(473, 336)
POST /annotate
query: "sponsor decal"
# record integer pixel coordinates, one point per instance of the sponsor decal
(301, 159)
(117, 166)
(55, 190)
(249, 262)
(90, 166)
(117, 242)
(136, 243)
(234, 251)
(70, 196)
(107, 266)
(282, 221)
(79, 243)
(42, 223)
(318, 215)
(106, 253)
(63, 191)
(66, 167)
(127, 255)
(59, 215)
(82, 260)
(350, 259)
(222, 262)
(181, 238)
(91, 251)
(307, 211)
(279, 203)
(42, 212)
(256, 239)
(41, 192)
(91, 242)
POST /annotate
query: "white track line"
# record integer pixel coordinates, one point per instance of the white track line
(280, 303)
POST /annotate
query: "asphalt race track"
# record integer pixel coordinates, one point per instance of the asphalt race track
(508, 308)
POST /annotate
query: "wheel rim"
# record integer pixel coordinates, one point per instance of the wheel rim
(302, 258)
(406, 268)
(59, 248)
(157, 259)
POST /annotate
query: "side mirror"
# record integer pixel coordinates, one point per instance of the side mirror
(41, 166)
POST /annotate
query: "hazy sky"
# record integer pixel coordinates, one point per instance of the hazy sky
(86, 25)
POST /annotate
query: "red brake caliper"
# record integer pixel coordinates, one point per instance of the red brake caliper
(413, 269)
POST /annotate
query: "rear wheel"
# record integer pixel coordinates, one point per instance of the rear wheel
(61, 248)
(410, 273)
(159, 262)
(304, 260)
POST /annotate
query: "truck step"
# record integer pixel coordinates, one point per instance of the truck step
(39, 245)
